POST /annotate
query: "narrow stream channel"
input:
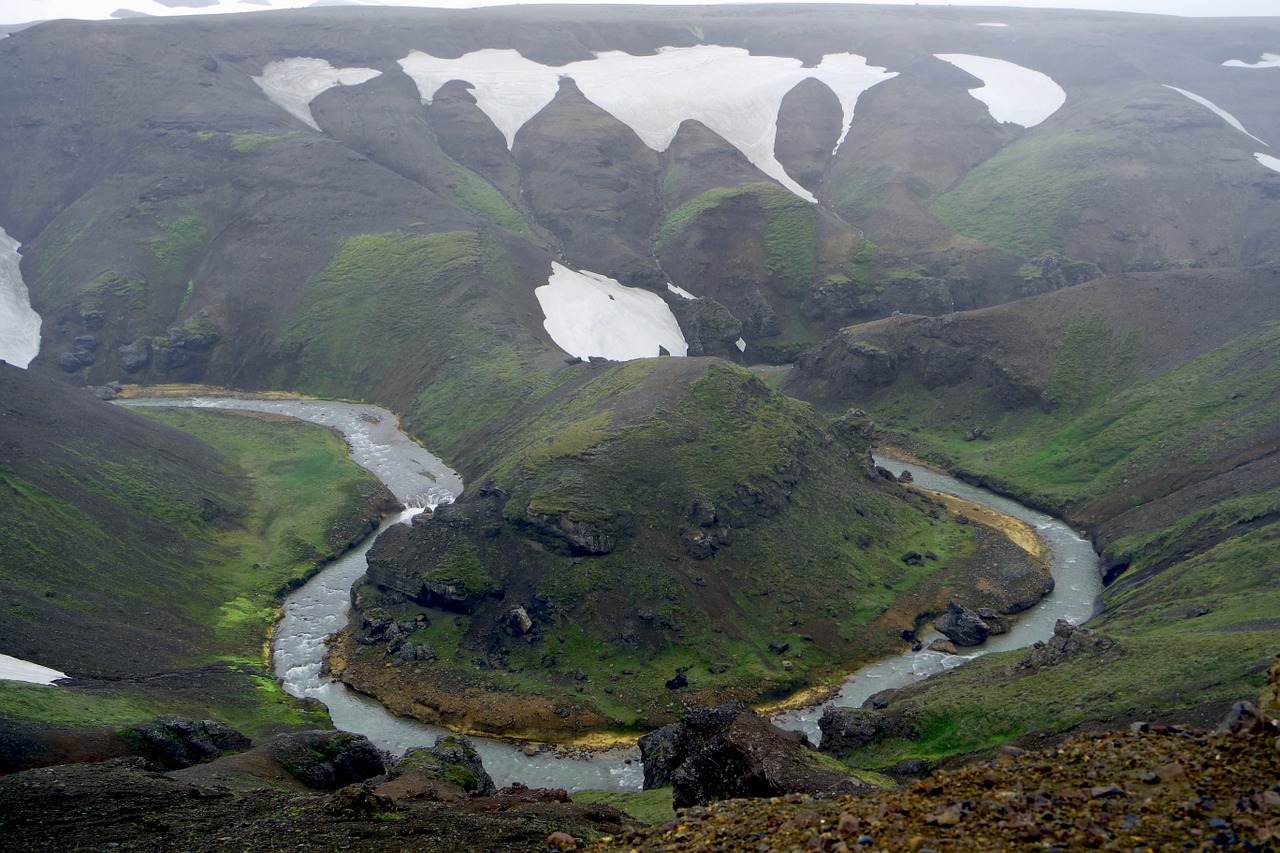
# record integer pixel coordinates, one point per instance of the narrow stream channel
(419, 479)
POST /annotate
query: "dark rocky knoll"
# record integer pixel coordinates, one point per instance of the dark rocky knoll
(658, 534)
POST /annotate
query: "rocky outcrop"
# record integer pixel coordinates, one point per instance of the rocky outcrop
(170, 742)
(963, 626)
(1067, 641)
(446, 771)
(729, 751)
(846, 730)
(579, 537)
(327, 760)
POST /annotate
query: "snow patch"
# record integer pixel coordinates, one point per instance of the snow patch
(292, 84)
(1012, 93)
(1218, 111)
(741, 344)
(19, 324)
(733, 93)
(1268, 161)
(680, 291)
(1269, 60)
(16, 669)
(990, 24)
(509, 89)
(588, 314)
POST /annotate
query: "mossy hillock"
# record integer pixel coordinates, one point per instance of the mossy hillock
(647, 535)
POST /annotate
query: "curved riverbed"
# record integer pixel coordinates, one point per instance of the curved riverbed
(419, 479)
(1077, 586)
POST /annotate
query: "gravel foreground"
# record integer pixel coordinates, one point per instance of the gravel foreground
(1153, 788)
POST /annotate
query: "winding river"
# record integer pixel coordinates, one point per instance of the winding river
(420, 480)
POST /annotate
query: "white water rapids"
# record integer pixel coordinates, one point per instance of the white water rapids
(419, 479)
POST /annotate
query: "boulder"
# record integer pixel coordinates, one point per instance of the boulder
(945, 646)
(1067, 641)
(962, 626)
(729, 751)
(327, 760)
(846, 730)
(134, 355)
(450, 767)
(170, 743)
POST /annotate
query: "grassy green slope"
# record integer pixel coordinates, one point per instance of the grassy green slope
(150, 562)
(1168, 455)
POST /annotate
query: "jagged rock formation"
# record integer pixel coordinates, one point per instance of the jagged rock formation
(727, 752)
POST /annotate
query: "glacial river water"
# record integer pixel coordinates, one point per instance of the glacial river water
(419, 479)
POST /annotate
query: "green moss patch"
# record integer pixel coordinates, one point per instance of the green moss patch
(1026, 196)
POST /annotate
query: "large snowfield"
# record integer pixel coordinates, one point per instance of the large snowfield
(1012, 93)
(588, 314)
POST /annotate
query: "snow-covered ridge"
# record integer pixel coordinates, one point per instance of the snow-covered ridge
(1269, 60)
(735, 94)
(588, 314)
(1012, 93)
(293, 84)
(1216, 110)
(19, 324)
(1268, 161)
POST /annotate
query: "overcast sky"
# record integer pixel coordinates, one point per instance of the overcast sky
(19, 11)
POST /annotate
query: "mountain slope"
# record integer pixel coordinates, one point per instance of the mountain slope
(1142, 408)
(145, 562)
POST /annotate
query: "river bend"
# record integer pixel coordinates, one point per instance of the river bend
(420, 480)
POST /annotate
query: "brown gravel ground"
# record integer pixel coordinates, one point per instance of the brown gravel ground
(1154, 788)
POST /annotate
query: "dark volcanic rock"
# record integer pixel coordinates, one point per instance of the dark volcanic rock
(327, 760)
(452, 761)
(170, 742)
(963, 626)
(728, 751)
(1067, 641)
(846, 730)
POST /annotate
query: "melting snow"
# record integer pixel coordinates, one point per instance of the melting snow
(19, 324)
(1268, 161)
(1221, 113)
(1011, 92)
(588, 314)
(294, 83)
(509, 89)
(680, 291)
(16, 669)
(733, 93)
(1269, 60)
(741, 344)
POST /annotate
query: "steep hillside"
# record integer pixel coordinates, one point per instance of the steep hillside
(183, 235)
(653, 535)
(1142, 408)
(146, 563)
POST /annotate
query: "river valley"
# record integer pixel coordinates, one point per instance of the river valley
(420, 480)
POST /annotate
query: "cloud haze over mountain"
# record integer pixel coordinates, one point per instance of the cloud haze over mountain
(25, 11)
